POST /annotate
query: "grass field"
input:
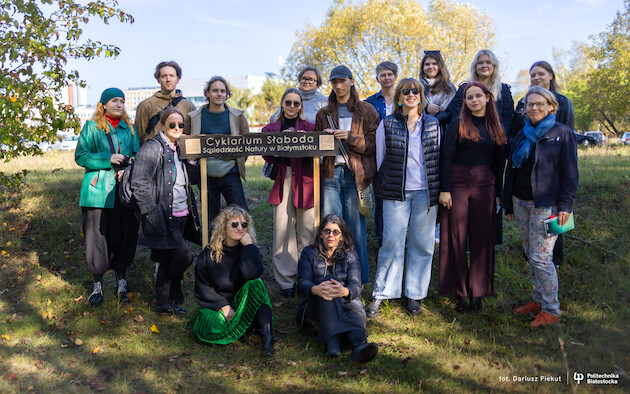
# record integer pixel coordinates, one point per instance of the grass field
(52, 340)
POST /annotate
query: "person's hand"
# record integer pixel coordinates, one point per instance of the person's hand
(432, 109)
(339, 134)
(119, 174)
(341, 291)
(446, 200)
(563, 217)
(246, 239)
(117, 159)
(321, 290)
(509, 217)
(228, 312)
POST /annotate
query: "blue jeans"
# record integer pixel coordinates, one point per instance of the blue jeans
(231, 188)
(340, 197)
(414, 221)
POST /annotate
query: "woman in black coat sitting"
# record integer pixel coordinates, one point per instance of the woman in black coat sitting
(329, 278)
(168, 215)
(228, 285)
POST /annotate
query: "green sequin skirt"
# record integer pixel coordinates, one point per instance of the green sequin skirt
(211, 325)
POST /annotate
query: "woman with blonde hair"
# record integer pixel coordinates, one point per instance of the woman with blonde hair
(106, 147)
(292, 195)
(227, 283)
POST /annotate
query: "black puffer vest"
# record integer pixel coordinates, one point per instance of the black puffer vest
(389, 183)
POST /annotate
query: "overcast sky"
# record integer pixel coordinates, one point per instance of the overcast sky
(237, 37)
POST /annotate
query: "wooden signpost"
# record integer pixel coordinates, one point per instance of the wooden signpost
(228, 147)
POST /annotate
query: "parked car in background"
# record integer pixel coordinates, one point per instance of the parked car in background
(585, 140)
(68, 142)
(601, 137)
(625, 138)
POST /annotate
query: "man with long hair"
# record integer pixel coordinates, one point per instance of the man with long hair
(354, 123)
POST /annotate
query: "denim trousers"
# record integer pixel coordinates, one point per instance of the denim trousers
(414, 221)
(539, 251)
(340, 197)
(231, 188)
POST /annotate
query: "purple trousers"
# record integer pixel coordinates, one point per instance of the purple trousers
(470, 221)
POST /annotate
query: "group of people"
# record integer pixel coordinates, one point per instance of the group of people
(431, 153)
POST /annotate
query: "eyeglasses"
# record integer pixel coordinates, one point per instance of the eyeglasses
(334, 232)
(407, 91)
(173, 125)
(235, 224)
(537, 105)
(290, 103)
(307, 80)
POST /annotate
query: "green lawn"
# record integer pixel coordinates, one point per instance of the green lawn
(52, 340)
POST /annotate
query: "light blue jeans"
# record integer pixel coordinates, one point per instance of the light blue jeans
(414, 221)
(340, 197)
(539, 251)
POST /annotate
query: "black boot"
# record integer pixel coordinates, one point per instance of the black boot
(462, 304)
(475, 304)
(332, 347)
(266, 335)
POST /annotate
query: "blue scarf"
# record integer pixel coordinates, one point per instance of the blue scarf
(532, 135)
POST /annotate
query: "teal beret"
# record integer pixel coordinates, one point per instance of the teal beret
(111, 93)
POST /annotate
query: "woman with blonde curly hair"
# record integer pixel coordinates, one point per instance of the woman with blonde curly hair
(105, 148)
(227, 283)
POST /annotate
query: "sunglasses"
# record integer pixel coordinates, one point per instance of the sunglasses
(407, 91)
(334, 232)
(173, 125)
(290, 103)
(235, 224)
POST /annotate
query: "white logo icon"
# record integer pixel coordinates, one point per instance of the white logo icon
(578, 377)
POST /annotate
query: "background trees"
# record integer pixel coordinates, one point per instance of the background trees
(361, 35)
(36, 40)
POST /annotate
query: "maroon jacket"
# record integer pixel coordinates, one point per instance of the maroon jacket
(301, 172)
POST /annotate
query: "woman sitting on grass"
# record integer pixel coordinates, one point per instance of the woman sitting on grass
(228, 285)
(329, 277)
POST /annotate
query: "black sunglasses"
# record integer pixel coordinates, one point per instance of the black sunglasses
(334, 232)
(235, 224)
(407, 91)
(172, 125)
(290, 103)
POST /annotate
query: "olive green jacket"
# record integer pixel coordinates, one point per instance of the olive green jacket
(93, 153)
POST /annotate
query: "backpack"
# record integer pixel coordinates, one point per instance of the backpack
(123, 185)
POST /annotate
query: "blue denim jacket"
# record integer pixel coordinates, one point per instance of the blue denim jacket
(378, 102)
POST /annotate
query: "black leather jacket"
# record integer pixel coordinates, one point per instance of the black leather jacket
(152, 187)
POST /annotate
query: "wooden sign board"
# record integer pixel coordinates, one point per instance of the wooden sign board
(228, 147)
(286, 144)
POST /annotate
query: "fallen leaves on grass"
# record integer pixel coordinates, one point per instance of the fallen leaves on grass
(79, 298)
(78, 342)
(155, 329)
(138, 319)
(6, 337)
(96, 350)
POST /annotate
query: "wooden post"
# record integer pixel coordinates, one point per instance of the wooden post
(316, 192)
(204, 201)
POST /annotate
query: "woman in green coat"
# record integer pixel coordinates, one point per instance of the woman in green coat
(106, 146)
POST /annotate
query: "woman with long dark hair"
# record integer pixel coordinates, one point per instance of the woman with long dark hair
(541, 180)
(292, 195)
(106, 144)
(485, 68)
(162, 189)
(438, 88)
(329, 278)
(228, 286)
(470, 169)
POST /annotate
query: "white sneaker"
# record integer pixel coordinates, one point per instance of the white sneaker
(96, 298)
